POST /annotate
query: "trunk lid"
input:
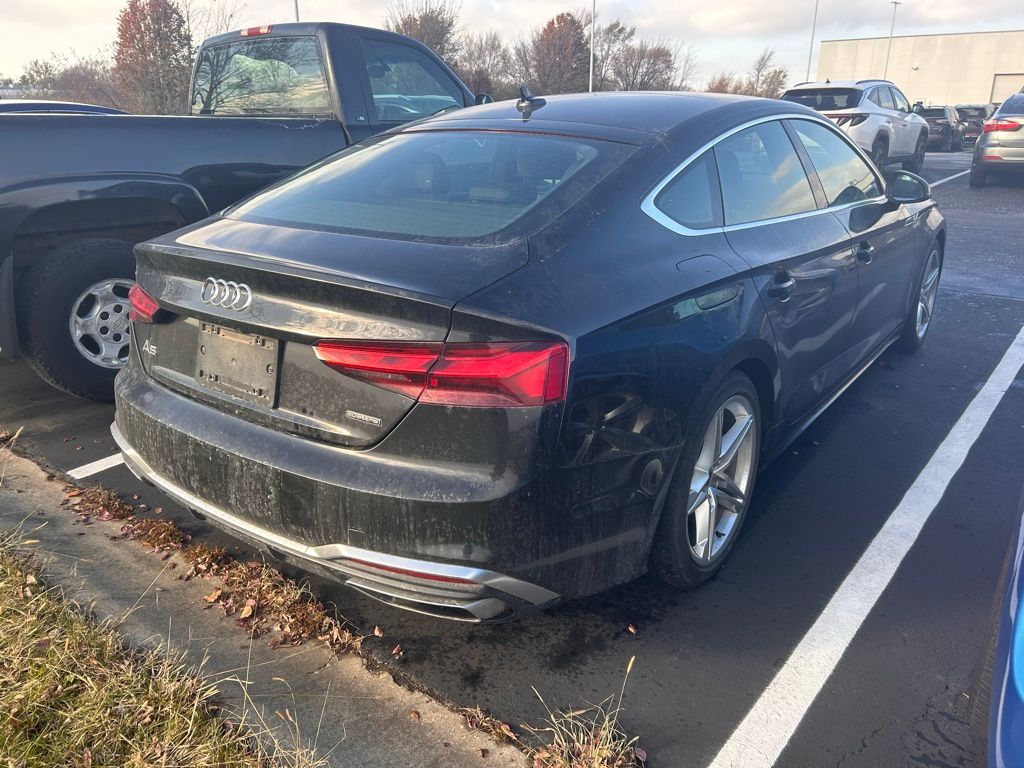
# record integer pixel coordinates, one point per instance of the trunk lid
(239, 318)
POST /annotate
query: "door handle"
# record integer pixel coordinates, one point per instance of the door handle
(782, 287)
(864, 252)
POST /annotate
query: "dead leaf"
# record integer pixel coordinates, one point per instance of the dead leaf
(632, 629)
(213, 596)
(414, 714)
(484, 752)
(30, 579)
(396, 651)
(641, 754)
(378, 632)
(247, 611)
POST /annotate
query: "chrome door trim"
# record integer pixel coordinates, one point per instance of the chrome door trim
(647, 205)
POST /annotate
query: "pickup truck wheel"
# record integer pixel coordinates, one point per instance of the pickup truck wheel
(73, 316)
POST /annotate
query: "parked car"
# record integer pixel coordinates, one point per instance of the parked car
(42, 106)
(488, 362)
(874, 113)
(77, 193)
(974, 115)
(1000, 150)
(1006, 673)
(945, 128)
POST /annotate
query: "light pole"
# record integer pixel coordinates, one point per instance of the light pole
(593, 30)
(296, 10)
(895, 4)
(810, 51)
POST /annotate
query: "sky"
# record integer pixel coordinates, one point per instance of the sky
(726, 36)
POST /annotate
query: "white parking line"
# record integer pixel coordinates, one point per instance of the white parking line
(950, 178)
(97, 466)
(762, 735)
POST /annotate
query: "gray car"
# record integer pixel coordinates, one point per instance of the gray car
(1000, 148)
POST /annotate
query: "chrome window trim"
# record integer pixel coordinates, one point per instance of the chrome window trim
(647, 205)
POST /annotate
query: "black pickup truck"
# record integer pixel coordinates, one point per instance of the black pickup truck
(78, 191)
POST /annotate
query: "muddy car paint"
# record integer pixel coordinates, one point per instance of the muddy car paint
(536, 504)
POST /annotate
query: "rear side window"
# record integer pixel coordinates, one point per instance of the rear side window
(406, 84)
(264, 76)
(1012, 106)
(825, 99)
(882, 97)
(761, 175)
(692, 198)
(441, 186)
(845, 177)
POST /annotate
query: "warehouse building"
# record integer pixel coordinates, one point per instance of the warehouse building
(959, 68)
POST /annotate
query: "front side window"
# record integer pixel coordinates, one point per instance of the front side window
(264, 76)
(761, 175)
(441, 186)
(406, 84)
(692, 198)
(900, 100)
(845, 177)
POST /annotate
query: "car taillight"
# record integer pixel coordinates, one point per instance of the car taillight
(502, 374)
(847, 119)
(143, 306)
(996, 124)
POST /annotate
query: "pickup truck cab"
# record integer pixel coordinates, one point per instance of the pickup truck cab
(77, 192)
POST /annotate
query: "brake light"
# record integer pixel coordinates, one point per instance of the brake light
(996, 124)
(253, 31)
(143, 306)
(505, 374)
(847, 119)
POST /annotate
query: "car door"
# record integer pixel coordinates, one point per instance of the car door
(405, 84)
(906, 126)
(799, 256)
(881, 236)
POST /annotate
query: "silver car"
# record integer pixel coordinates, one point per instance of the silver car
(1000, 148)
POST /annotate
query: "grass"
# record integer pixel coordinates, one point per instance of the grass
(588, 738)
(72, 693)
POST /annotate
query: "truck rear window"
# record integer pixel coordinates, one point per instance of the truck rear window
(932, 112)
(825, 99)
(448, 186)
(266, 76)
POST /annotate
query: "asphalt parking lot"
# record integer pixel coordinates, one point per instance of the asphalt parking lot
(905, 690)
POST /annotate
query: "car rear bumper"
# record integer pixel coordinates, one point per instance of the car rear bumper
(1011, 159)
(310, 503)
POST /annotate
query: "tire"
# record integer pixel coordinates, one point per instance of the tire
(947, 142)
(916, 161)
(977, 179)
(958, 145)
(677, 556)
(913, 336)
(46, 299)
(880, 154)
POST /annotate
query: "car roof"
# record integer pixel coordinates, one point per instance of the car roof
(838, 84)
(25, 105)
(633, 117)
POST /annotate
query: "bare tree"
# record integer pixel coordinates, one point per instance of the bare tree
(722, 82)
(555, 58)
(75, 78)
(609, 42)
(205, 18)
(763, 79)
(485, 65)
(435, 23)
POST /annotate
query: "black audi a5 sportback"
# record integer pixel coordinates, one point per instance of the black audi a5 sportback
(523, 352)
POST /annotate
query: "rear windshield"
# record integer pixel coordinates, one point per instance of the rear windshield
(824, 99)
(264, 76)
(932, 112)
(1012, 106)
(972, 111)
(449, 186)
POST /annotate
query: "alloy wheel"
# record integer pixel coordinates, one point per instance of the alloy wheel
(722, 479)
(99, 323)
(926, 296)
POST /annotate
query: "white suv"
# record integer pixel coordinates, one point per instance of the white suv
(874, 113)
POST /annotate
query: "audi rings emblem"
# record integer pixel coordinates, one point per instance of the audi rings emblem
(226, 293)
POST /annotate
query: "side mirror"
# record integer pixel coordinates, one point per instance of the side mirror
(906, 187)
(483, 98)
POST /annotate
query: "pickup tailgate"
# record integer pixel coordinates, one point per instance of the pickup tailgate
(255, 357)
